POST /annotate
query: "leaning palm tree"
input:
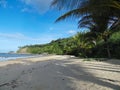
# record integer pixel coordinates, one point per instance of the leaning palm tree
(95, 31)
(95, 14)
(101, 9)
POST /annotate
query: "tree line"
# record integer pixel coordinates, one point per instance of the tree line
(78, 45)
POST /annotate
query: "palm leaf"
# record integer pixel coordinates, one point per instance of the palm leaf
(74, 13)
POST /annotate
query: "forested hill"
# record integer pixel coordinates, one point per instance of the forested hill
(54, 47)
(78, 45)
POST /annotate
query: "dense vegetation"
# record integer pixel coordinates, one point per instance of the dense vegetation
(102, 17)
(78, 45)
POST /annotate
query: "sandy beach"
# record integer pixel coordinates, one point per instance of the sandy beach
(54, 72)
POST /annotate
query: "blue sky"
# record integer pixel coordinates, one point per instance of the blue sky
(28, 22)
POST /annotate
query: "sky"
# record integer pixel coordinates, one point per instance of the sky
(29, 22)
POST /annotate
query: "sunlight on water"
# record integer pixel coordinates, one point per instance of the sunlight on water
(6, 56)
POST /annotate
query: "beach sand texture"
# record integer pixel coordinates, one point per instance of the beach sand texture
(54, 72)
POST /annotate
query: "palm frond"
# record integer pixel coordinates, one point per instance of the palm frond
(74, 13)
(68, 4)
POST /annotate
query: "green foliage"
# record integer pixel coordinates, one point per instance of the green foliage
(79, 45)
(99, 51)
(101, 17)
(115, 37)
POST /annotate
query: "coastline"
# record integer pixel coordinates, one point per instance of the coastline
(57, 72)
(11, 56)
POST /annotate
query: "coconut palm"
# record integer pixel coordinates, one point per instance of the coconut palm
(92, 23)
(99, 9)
(97, 15)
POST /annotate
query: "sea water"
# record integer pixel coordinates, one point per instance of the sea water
(7, 56)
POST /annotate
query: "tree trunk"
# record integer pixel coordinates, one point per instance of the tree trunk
(108, 51)
(107, 47)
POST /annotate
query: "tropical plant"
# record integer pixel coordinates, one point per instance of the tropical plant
(95, 15)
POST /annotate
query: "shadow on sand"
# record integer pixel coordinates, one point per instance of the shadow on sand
(64, 70)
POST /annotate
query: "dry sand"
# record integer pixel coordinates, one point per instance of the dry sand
(55, 72)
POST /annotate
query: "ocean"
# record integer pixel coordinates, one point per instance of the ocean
(7, 56)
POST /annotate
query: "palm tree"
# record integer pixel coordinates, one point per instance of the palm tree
(93, 24)
(114, 4)
(97, 15)
(99, 9)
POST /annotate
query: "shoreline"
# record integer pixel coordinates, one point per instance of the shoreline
(57, 72)
(21, 56)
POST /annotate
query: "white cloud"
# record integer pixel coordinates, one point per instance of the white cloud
(72, 32)
(17, 36)
(21, 37)
(39, 5)
(3, 3)
(12, 36)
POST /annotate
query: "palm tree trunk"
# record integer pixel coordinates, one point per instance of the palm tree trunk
(108, 51)
(107, 47)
